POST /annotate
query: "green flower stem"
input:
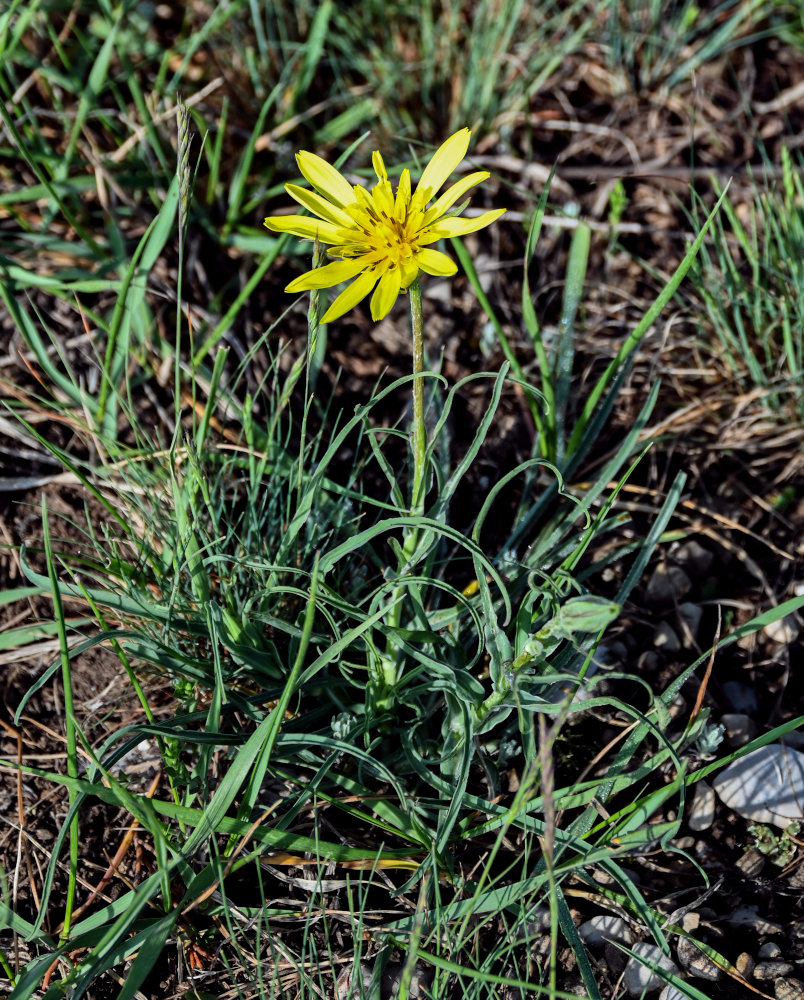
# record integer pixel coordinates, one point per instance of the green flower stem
(386, 677)
(419, 429)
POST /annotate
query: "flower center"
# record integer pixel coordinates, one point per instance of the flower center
(392, 239)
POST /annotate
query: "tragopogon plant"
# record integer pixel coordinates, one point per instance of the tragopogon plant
(382, 240)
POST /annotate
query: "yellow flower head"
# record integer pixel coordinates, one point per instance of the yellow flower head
(379, 238)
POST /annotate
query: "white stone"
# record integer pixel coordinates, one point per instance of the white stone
(766, 786)
(638, 978)
(671, 993)
(353, 983)
(605, 927)
(702, 811)
(748, 916)
(782, 631)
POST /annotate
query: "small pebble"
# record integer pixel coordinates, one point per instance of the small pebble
(695, 559)
(538, 923)
(772, 970)
(665, 638)
(352, 984)
(740, 697)
(702, 810)
(782, 631)
(740, 728)
(671, 993)
(745, 965)
(678, 706)
(419, 983)
(788, 989)
(605, 927)
(695, 962)
(648, 663)
(667, 584)
(639, 979)
(691, 921)
(769, 950)
(752, 862)
(690, 615)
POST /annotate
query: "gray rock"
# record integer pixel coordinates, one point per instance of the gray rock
(392, 974)
(769, 950)
(695, 962)
(740, 728)
(765, 971)
(536, 925)
(605, 927)
(740, 697)
(690, 615)
(665, 638)
(766, 786)
(667, 585)
(648, 663)
(702, 810)
(638, 978)
(695, 559)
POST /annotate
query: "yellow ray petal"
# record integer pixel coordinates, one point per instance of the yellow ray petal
(309, 229)
(351, 295)
(459, 227)
(452, 194)
(326, 276)
(319, 206)
(410, 271)
(325, 178)
(379, 166)
(402, 197)
(444, 161)
(435, 262)
(383, 198)
(386, 293)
